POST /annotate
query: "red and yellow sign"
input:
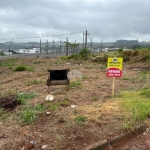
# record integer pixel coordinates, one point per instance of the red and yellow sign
(114, 66)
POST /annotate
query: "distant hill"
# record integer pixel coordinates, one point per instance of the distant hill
(17, 46)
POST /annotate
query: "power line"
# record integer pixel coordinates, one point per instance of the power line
(41, 37)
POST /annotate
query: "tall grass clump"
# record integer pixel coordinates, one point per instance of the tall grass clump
(22, 98)
(80, 119)
(23, 68)
(64, 58)
(75, 84)
(8, 63)
(145, 92)
(30, 113)
(135, 106)
(34, 81)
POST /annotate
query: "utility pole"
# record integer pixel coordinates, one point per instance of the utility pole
(9, 49)
(86, 39)
(137, 43)
(67, 48)
(91, 44)
(74, 47)
(101, 45)
(40, 47)
(47, 47)
(53, 46)
(60, 46)
(83, 42)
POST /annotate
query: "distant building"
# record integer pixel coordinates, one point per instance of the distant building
(29, 51)
(7, 53)
(110, 49)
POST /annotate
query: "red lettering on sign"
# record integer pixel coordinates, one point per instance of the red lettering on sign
(114, 72)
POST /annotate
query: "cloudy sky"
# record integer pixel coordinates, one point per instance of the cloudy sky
(109, 20)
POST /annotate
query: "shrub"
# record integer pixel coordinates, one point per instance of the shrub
(145, 58)
(23, 68)
(84, 53)
(144, 51)
(128, 53)
(20, 68)
(120, 50)
(136, 53)
(101, 59)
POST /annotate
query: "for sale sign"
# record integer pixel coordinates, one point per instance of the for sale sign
(114, 67)
(114, 72)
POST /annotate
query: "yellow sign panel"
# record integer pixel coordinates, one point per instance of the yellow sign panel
(115, 62)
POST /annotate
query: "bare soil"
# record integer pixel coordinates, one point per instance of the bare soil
(59, 130)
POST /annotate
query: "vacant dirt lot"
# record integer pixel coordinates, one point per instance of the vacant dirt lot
(97, 115)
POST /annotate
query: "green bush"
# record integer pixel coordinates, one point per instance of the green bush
(120, 50)
(20, 68)
(24, 68)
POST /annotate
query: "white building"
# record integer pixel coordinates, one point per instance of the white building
(7, 53)
(29, 51)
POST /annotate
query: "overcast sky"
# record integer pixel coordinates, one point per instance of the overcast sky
(109, 20)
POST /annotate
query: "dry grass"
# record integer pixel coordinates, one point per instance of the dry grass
(92, 99)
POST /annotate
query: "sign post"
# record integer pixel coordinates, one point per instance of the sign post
(114, 69)
(113, 86)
